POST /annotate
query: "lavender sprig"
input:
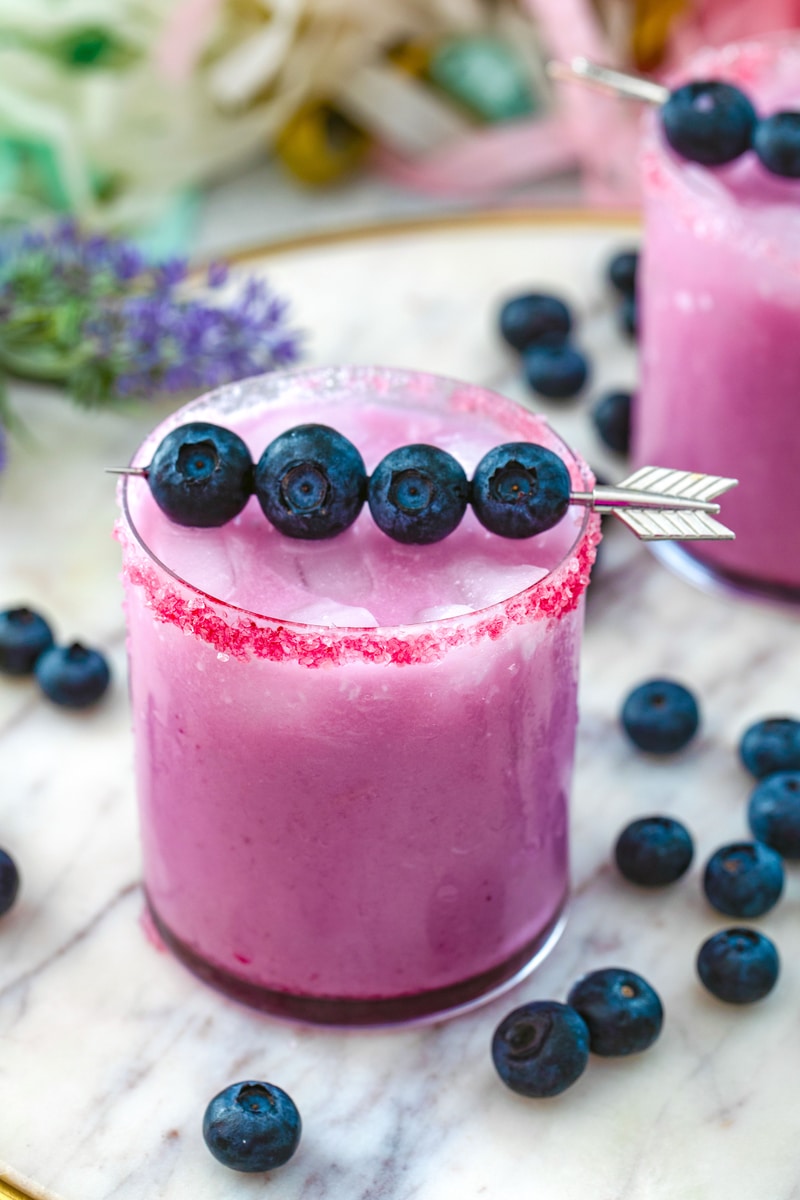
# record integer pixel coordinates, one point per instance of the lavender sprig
(90, 313)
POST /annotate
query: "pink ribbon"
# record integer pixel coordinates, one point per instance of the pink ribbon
(184, 37)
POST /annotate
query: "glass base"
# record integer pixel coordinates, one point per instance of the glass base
(710, 579)
(422, 1007)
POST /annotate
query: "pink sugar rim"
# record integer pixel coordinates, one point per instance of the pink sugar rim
(316, 646)
(240, 634)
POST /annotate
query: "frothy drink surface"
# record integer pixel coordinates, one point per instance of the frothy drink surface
(361, 577)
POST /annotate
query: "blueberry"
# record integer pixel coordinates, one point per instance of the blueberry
(24, 635)
(654, 851)
(528, 319)
(738, 965)
(201, 475)
(709, 122)
(660, 716)
(744, 879)
(622, 1011)
(629, 316)
(520, 489)
(72, 676)
(777, 143)
(558, 372)
(9, 882)
(774, 813)
(622, 272)
(311, 482)
(611, 417)
(541, 1048)
(771, 745)
(252, 1126)
(418, 494)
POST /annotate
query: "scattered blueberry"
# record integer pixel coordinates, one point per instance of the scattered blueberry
(622, 1011)
(777, 143)
(654, 851)
(622, 271)
(24, 635)
(738, 966)
(528, 319)
(311, 482)
(541, 1048)
(744, 879)
(558, 372)
(252, 1126)
(72, 676)
(611, 417)
(771, 745)
(629, 316)
(201, 475)
(660, 716)
(520, 489)
(709, 122)
(774, 813)
(9, 882)
(418, 494)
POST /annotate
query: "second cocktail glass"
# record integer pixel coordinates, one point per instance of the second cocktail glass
(719, 295)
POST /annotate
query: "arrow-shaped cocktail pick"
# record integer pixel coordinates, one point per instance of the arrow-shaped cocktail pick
(606, 79)
(657, 503)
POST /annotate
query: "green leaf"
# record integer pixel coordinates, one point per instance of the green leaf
(68, 321)
(91, 383)
(38, 361)
(10, 419)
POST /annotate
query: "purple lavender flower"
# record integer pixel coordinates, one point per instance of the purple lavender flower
(218, 273)
(89, 311)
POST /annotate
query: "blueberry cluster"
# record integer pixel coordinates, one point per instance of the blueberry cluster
(714, 123)
(741, 879)
(311, 483)
(541, 1048)
(72, 676)
(538, 326)
(622, 275)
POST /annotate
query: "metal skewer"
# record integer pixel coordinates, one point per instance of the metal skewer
(609, 80)
(656, 503)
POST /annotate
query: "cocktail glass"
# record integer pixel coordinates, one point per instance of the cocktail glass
(345, 818)
(719, 296)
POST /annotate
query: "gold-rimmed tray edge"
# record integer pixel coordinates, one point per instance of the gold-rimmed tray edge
(440, 222)
(21, 1190)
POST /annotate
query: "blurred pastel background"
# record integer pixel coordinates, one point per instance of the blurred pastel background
(208, 124)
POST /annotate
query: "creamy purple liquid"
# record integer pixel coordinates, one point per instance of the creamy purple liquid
(719, 292)
(353, 757)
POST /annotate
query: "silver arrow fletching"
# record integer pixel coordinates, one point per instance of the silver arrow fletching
(661, 504)
(607, 79)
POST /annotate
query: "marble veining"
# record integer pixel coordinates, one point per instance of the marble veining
(109, 1050)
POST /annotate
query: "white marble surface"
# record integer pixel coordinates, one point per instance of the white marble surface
(109, 1050)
